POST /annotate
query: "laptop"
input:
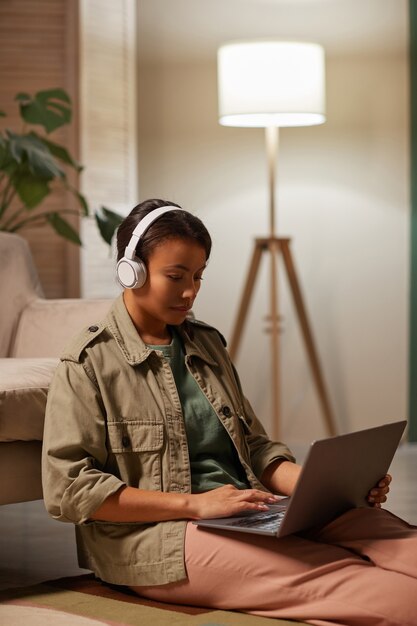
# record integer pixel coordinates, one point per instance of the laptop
(337, 476)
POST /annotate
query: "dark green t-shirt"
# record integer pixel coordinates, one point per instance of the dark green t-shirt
(213, 458)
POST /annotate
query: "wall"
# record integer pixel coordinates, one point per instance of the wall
(343, 198)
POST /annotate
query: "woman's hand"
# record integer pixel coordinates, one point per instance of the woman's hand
(378, 494)
(226, 501)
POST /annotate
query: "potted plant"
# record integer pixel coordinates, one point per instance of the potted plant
(31, 166)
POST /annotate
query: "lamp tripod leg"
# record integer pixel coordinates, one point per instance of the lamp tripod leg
(245, 301)
(308, 338)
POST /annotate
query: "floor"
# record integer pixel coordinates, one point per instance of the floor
(35, 548)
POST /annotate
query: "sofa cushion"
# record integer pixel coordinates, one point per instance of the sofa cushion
(24, 386)
(46, 326)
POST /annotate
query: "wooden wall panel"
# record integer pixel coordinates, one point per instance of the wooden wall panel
(412, 398)
(39, 50)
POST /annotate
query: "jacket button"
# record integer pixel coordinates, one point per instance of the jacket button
(226, 411)
(93, 329)
(126, 441)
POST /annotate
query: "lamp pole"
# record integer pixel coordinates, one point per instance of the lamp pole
(271, 140)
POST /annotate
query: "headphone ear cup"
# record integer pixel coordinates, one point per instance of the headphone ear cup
(141, 274)
(131, 274)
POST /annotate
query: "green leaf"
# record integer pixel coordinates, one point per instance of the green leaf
(4, 151)
(82, 200)
(51, 108)
(23, 96)
(39, 158)
(107, 221)
(9, 166)
(2, 114)
(63, 228)
(31, 190)
(7, 162)
(61, 153)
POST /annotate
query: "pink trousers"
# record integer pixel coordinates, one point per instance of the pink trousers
(359, 570)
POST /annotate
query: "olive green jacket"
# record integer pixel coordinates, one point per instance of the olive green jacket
(114, 418)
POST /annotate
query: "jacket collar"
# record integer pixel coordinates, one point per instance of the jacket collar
(133, 347)
(193, 346)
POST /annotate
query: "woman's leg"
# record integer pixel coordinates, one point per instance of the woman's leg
(388, 541)
(292, 577)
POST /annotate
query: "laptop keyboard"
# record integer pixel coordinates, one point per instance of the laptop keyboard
(262, 521)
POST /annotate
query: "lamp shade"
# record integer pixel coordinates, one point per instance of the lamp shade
(271, 83)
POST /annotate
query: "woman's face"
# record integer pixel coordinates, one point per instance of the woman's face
(175, 268)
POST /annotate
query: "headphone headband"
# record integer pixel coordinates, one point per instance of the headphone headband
(143, 226)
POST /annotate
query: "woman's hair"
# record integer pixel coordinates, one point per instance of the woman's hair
(171, 225)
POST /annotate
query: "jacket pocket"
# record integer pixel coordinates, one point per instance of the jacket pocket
(135, 436)
(136, 449)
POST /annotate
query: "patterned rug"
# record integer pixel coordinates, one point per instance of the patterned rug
(84, 601)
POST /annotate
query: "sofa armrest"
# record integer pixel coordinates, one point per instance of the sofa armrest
(19, 285)
(46, 326)
(24, 385)
(20, 469)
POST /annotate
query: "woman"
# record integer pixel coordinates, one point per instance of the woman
(147, 428)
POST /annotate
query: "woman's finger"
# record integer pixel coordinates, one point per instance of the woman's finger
(385, 481)
(254, 495)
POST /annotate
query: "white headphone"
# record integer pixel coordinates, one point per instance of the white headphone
(131, 270)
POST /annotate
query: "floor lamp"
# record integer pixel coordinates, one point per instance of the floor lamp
(272, 84)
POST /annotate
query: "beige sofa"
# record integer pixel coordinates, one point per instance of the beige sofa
(33, 332)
